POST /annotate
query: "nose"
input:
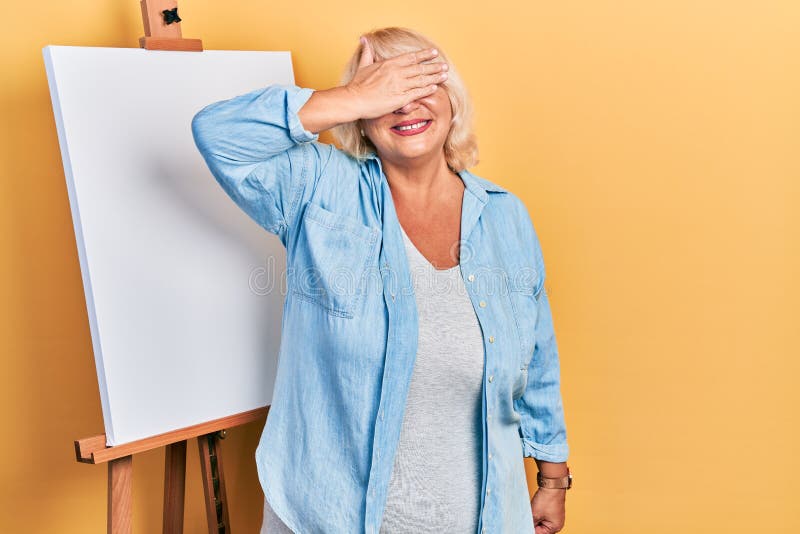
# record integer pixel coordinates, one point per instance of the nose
(408, 108)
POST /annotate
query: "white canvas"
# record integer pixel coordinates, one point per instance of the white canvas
(184, 324)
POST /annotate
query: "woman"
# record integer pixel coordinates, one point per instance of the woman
(418, 362)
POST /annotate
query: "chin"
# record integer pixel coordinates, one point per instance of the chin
(419, 149)
(414, 154)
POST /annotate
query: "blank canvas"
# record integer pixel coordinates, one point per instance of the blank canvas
(184, 292)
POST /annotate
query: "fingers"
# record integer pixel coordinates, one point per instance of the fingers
(366, 53)
(424, 85)
(430, 79)
(417, 56)
(418, 69)
(420, 92)
(422, 75)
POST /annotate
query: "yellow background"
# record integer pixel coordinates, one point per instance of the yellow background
(656, 146)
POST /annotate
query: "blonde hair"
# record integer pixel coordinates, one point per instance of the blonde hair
(460, 147)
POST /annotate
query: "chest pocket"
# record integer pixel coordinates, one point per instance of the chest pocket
(525, 303)
(331, 259)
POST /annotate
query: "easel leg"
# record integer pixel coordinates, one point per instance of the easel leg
(120, 495)
(174, 487)
(210, 449)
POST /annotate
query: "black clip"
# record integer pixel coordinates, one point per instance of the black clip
(171, 15)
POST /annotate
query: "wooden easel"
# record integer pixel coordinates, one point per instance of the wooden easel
(163, 32)
(162, 28)
(93, 450)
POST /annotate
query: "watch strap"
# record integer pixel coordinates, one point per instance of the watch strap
(564, 482)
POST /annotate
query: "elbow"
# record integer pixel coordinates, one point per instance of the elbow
(207, 143)
(200, 129)
(205, 126)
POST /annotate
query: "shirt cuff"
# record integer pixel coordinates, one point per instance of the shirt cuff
(557, 452)
(295, 101)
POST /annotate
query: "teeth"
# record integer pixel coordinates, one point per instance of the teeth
(412, 126)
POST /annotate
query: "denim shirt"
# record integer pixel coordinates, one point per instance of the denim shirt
(349, 325)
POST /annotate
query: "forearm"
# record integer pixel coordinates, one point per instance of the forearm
(328, 108)
(552, 469)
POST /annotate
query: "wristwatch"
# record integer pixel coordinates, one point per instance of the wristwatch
(564, 482)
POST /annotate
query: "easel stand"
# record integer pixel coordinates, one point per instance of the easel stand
(163, 32)
(162, 28)
(209, 436)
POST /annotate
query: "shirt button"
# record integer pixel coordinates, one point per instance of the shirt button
(483, 530)
(491, 339)
(491, 378)
(488, 490)
(381, 414)
(471, 278)
(489, 417)
(490, 455)
(482, 304)
(392, 297)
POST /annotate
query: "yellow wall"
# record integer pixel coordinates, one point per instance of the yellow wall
(656, 145)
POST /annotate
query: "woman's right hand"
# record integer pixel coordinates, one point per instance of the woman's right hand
(380, 87)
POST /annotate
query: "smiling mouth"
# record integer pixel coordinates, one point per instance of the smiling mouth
(412, 129)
